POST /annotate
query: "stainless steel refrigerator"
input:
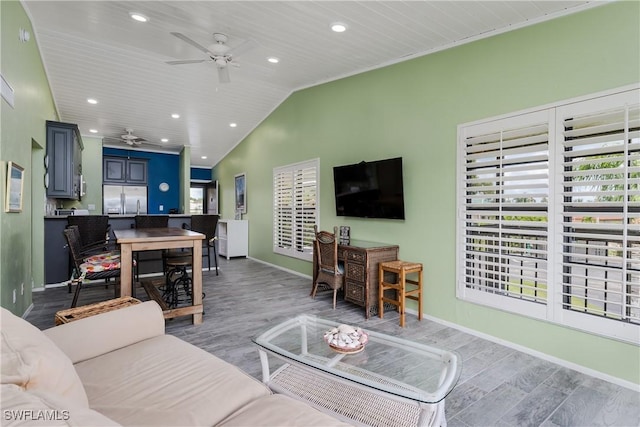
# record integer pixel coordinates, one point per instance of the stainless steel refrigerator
(124, 199)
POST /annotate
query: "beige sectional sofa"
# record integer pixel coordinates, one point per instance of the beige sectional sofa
(119, 368)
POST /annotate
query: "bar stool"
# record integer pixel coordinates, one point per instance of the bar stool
(400, 269)
(176, 277)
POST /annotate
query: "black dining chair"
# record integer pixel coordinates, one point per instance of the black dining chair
(150, 221)
(206, 224)
(95, 267)
(93, 229)
(93, 234)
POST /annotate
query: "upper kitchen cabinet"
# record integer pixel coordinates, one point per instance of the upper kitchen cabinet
(118, 170)
(63, 161)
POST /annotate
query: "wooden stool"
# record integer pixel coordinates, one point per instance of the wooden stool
(400, 269)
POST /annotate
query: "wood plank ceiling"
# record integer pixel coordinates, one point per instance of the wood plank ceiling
(93, 49)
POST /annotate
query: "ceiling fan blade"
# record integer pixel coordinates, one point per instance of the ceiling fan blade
(187, 61)
(223, 75)
(243, 48)
(191, 42)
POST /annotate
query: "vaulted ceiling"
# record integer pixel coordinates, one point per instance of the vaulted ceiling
(95, 50)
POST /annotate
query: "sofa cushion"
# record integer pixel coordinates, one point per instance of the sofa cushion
(29, 359)
(166, 381)
(108, 331)
(279, 410)
(20, 407)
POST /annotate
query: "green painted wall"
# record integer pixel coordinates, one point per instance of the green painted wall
(22, 140)
(412, 110)
(185, 179)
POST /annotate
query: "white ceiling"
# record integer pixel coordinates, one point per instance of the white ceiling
(93, 49)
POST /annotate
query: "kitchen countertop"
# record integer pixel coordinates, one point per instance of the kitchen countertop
(119, 216)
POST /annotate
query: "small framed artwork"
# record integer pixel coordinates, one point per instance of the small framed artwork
(241, 193)
(15, 184)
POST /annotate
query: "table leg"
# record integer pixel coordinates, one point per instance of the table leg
(197, 279)
(126, 267)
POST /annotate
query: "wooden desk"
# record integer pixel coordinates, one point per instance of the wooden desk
(361, 259)
(147, 239)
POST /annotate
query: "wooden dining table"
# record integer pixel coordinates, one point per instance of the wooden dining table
(148, 239)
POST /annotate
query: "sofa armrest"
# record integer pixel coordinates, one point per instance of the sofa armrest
(96, 335)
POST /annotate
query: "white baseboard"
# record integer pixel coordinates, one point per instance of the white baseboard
(565, 363)
(27, 311)
(297, 273)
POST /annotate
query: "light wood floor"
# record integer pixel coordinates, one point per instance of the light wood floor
(498, 387)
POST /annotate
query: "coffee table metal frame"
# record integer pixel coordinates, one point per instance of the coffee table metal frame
(335, 383)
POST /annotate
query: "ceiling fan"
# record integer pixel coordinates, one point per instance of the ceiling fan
(129, 138)
(221, 54)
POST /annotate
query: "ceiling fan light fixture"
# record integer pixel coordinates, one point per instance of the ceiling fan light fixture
(137, 16)
(338, 27)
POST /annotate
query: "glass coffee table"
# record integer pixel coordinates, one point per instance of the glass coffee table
(391, 382)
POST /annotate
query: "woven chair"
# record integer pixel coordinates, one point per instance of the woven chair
(94, 229)
(206, 224)
(150, 221)
(93, 232)
(330, 272)
(96, 267)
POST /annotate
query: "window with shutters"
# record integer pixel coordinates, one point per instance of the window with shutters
(549, 214)
(295, 208)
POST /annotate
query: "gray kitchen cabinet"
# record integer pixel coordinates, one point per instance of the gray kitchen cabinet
(136, 171)
(118, 170)
(114, 170)
(63, 161)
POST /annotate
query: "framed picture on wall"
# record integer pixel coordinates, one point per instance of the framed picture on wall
(15, 184)
(241, 193)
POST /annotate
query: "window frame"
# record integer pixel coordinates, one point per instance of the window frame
(552, 310)
(298, 233)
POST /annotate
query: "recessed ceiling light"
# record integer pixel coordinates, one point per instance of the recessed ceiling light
(138, 16)
(203, 157)
(175, 115)
(93, 131)
(273, 60)
(164, 140)
(233, 125)
(92, 101)
(338, 27)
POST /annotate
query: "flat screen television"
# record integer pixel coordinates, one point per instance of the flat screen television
(370, 189)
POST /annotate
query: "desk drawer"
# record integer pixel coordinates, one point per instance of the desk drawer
(354, 256)
(355, 271)
(354, 292)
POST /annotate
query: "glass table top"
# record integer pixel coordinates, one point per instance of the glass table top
(390, 364)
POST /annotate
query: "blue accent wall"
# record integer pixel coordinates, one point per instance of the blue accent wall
(161, 167)
(201, 174)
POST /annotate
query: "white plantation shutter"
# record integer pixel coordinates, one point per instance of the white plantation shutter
(295, 204)
(549, 214)
(601, 213)
(505, 208)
